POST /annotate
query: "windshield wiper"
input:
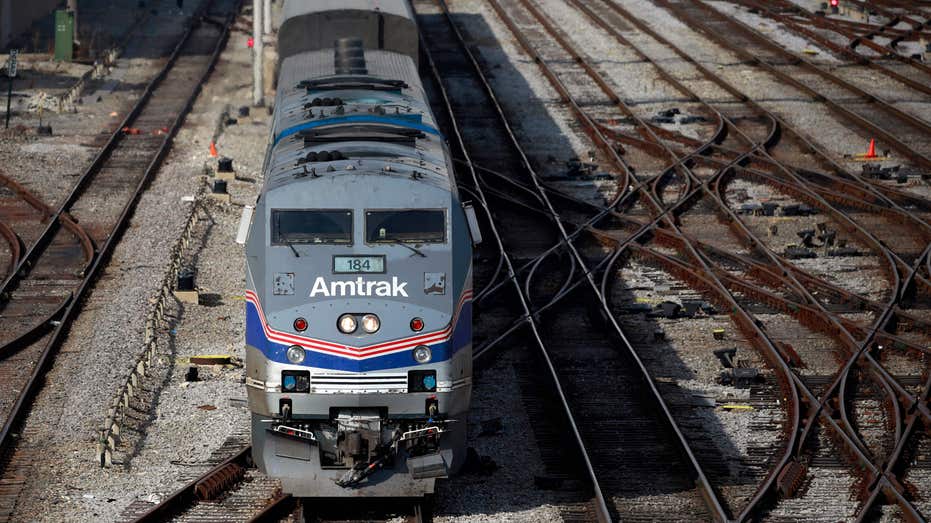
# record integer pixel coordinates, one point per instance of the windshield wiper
(291, 245)
(415, 250)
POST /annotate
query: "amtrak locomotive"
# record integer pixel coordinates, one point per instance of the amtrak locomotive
(358, 266)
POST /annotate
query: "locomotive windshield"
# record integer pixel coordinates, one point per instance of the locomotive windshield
(409, 226)
(311, 226)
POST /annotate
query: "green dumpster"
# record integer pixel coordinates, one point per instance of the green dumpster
(64, 35)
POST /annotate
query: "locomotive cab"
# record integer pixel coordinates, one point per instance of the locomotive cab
(358, 342)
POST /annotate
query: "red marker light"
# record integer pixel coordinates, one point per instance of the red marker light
(417, 325)
(300, 325)
(834, 3)
(250, 43)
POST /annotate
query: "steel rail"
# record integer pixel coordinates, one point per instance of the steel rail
(883, 247)
(798, 61)
(907, 7)
(880, 194)
(869, 239)
(770, 274)
(577, 60)
(894, 19)
(845, 50)
(905, 213)
(187, 494)
(705, 487)
(34, 383)
(102, 155)
(59, 217)
(46, 211)
(640, 231)
(894, 460)
(768, 297)
(15, 244)
(819, 409)
(795, 283)
(786, 306)
(784, 127)
(779, 302)
(601, 507)
(764, 272)
(603, 212)
(37, 330)
(699, 152)
(276, 510)
(874, 331)
(885, 30)
(893, 211)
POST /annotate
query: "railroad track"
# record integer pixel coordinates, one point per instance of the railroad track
(751, 277)
(230, 488)
(59, 259)
(23, 214)
(901, 131)
(860, 47)
(844, 395)
(621, 488)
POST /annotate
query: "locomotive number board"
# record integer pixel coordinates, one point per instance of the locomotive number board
(358, 264)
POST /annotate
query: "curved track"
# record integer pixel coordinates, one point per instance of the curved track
(871, 416)
(65, 247)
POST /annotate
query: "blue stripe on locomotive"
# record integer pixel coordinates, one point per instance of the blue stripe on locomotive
(462, 336)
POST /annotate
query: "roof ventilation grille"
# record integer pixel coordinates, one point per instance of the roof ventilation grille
(349, 56)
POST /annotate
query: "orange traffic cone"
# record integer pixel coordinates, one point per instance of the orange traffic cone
(871, 153)
(213, 150)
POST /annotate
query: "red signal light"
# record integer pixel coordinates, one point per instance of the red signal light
(300, 325)
(834, 3)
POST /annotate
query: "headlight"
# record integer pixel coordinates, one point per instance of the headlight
(422, 354)
(347, 323)
(295, 354)
(370, 323)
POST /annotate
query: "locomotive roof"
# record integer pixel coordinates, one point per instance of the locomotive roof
(294, 9)
(405, 104)
(316, 64)
(411, 164)
(310, 25)
(394, 110)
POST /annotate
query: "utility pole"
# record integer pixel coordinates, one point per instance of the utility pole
(11, 73)
(267, 17)
(73, 7)
(258, 51)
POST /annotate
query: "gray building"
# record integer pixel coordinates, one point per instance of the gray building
(17, 15)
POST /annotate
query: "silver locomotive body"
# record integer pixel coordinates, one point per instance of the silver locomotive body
(358, 277)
